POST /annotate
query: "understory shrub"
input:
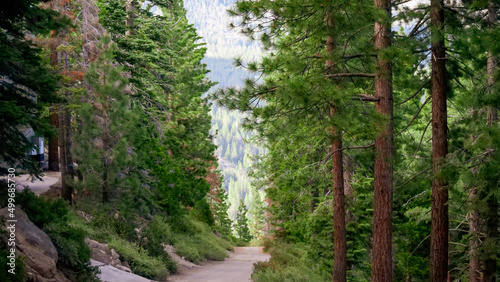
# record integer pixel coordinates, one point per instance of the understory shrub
(74, 254)
(289, 262)
(139, 260)
(52, 217)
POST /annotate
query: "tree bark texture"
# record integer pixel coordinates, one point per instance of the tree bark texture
(382, 262)
(474, 264)
(492, 221)
(54, 142)
(339, 214)
(492, 64)
(439, 206)
(65, 144)
(130, 6)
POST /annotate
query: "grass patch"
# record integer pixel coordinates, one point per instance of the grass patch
(289, 262)
(139, 260)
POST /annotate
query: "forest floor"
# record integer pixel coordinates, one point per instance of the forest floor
(238, 267)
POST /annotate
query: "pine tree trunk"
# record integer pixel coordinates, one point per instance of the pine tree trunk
(490, 264)
(474, 265)
(313, 202)
(65, 144)
(491, 64)
(492, 224)
(348, 192)
(54, 118)
(54, 142)
(382, 262)
(339, 214)
(130, 6)
(106, 148)
(439, 206)
(339, 228)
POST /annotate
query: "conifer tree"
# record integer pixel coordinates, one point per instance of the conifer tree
(382, 269)
(27, 84)
(439, 231)
(222, 221)
(241, 223)
(107, 128)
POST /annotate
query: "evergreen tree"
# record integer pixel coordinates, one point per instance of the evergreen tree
(27, 83)
(241, 223)
(222, 221)
(440, 225)
(108, 126)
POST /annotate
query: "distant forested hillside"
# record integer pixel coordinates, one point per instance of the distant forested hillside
(224, 45)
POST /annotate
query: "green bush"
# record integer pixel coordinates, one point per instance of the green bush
(139, 260)
(187, 248)
(202, 212)
(19, 274)
(154, 237)
(108, 223)
(41, 211)
(289, 262)
(196, 242)
(52, 217)
(74, 254)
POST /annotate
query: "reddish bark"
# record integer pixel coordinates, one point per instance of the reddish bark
(382, 262)
(439, 206)
(492, 223)
(339, 214)
(474, 264)
(54, 143)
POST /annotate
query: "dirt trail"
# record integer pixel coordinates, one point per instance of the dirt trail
(238, 267)
(37, 186)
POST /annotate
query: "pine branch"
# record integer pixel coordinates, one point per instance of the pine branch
(351, 75)
(414, 94)
(366, 98)
(415, 116)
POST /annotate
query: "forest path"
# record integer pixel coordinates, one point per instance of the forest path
(238, 267)
(37, 186)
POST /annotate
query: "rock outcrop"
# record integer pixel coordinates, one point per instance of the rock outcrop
(180, 261)
(113, 274)
(102, 253)
(36, 248)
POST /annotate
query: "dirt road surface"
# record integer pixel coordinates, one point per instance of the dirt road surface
(237, 268)
(37, 186)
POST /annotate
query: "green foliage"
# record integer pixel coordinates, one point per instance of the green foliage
(52, 217)
(27, 83)
(241, 223)
(289, 262)
(139, 260)
(108, 160)
(41, 211)
(196, 242)
(220, 209)
(202, 212)
(20, 271)
(154, 237)
(74, 254)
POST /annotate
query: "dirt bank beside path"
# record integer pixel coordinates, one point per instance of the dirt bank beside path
(238, 267)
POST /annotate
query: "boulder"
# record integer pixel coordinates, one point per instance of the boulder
(36, 248)
(113, 274)
(102, 253)
(180, 261)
